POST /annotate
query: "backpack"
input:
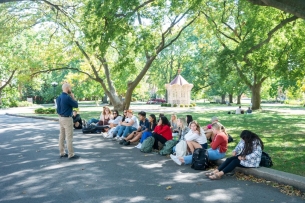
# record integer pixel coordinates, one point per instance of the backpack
(147, 145)
(89, 129)
(230, 139)
(266, 160)
(168, 147)
(181, 148)
(200, 159)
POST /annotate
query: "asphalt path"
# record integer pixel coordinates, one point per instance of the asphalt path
(31, 171)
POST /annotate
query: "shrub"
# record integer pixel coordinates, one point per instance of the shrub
(175, 105)
(133, 99)
(13, 103)
(181, 105)
(163, 104)
(186, 105)
(45, 111)
(193, 104)
(24, 104)
(168, 105)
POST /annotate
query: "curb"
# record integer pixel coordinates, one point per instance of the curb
(36, 117)
(262, 172)
(273, 175)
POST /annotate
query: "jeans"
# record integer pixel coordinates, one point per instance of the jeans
(230, 164)
(145, 135)
(127, 130)
(188, 158)
(93, 120)
(120, 129)
(215, 154)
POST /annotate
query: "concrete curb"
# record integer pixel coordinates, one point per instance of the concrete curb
(36, 117)
(273, 175)
(262, 172)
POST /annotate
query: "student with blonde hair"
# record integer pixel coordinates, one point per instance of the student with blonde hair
(174, 123)
(183, 128)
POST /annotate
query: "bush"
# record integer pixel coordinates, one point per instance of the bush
(133, 99)
(163, 104)
(45, 111)
(175, 105)
(181, 105)
(169, 105)
(186, 105)
(24, 104)
(13, 103)
(193, 104)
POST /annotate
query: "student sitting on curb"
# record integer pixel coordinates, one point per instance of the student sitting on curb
(247, 154)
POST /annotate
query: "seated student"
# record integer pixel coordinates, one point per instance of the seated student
(189, 119)
(183, 128)
(249, 110)
(208, 129)
(195, 138)
(104, 117)
(174, 123)
(136, 135)
(152, 124)
(247, 154)
(113, 123)
(130, 125)
(77, 120)
(238, 110)
(162, 132)
(119, 126)
(218, 148)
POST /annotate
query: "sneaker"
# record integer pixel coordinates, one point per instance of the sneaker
(74, 157)
(139, 146)
(109, 136)
(126, 143)
(175, 159)
(114, 139)
(122, 141)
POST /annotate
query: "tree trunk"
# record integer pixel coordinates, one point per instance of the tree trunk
(223, 98)
(230, 98)
(238, 99)
(256, 96)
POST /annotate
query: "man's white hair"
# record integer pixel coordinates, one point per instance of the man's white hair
(65, 87)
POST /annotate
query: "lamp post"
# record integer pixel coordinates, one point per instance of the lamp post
(54, 84)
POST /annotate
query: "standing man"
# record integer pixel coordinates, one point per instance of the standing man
(65, 103)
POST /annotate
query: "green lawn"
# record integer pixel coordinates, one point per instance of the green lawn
(283, 133)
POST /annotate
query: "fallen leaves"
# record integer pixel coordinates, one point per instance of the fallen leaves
(286, 189)
(169, 187)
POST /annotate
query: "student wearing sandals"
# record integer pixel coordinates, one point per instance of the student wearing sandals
(162, 132)
(218, 148)
(149, 131)
(247, 154)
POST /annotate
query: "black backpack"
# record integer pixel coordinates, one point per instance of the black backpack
(89, 129)
(266, 160)
(200, 159)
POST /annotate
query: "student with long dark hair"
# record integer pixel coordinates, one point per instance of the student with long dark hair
(189, 119)
(247, 154)
(149, 131)
(162, 132)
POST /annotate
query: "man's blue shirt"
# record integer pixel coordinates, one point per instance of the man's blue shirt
(65, 104)
(144, 124)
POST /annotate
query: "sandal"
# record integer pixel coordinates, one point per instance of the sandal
(215, 177)
(209, 173)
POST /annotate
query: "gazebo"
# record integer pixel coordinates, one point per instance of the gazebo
(179, 91)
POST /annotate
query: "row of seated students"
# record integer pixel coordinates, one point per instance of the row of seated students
(128, 129)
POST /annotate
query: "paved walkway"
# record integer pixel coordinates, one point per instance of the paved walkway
(31, 171)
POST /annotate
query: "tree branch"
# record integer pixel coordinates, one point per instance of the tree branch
(9, 80)
(136, 9)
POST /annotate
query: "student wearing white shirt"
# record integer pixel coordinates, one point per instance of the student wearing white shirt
(238, 110)
(130, 126)
(195, 138)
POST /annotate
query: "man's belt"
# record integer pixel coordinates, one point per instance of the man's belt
(64, 116)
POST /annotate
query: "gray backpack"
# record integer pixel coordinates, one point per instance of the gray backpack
(168, 147)
(147, 145)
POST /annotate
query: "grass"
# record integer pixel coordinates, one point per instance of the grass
(283, 133)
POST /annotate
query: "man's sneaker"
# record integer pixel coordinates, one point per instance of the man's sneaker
(65, 155)
(126, 143)
(74, 157)
(175, 159)
(114, 139)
